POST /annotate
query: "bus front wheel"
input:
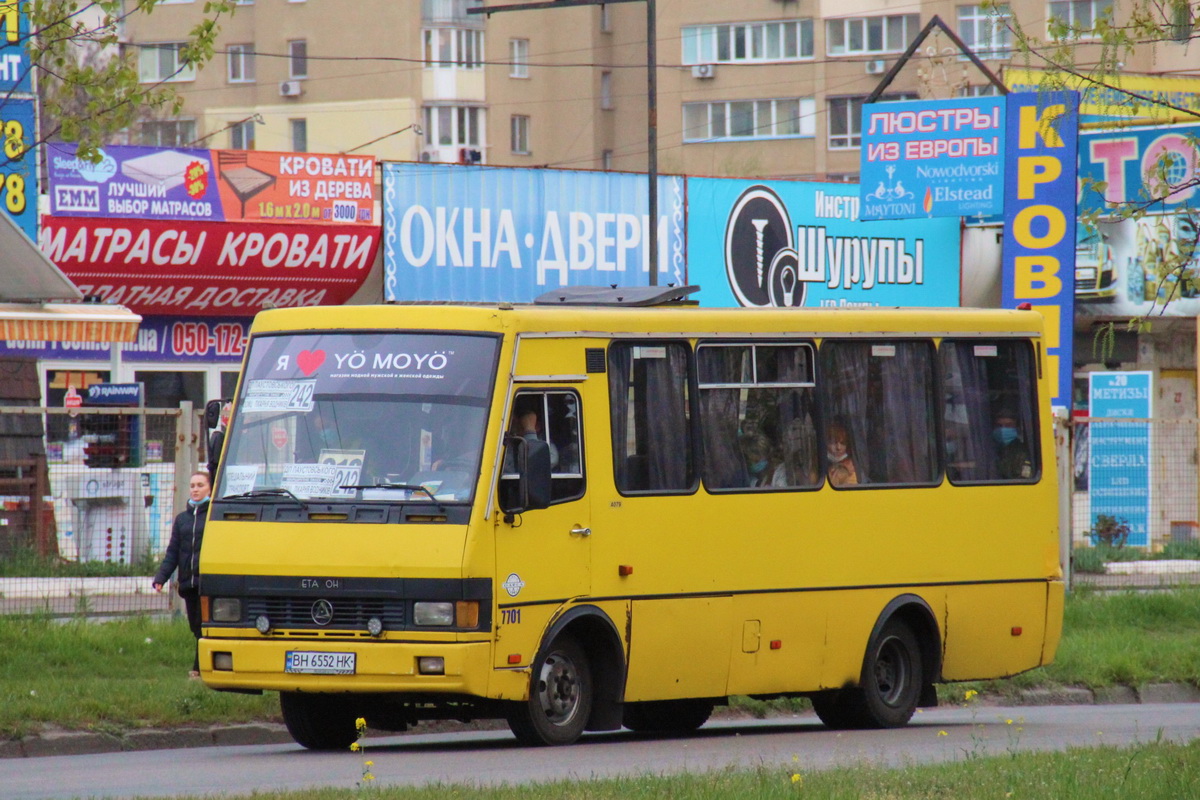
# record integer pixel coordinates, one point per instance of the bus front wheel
(319, 721)
(560, 697)
(891, 687)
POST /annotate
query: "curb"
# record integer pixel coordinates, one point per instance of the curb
(78, 743)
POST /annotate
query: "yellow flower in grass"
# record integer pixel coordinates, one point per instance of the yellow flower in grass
(970, 694)
(942, 733)
(360, 724)
(797, 779)
(355, 746)
(368, 764)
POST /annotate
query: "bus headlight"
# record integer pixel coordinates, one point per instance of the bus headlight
(226, 609)
(433, 614)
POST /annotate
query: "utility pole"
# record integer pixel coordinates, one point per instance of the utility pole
(651, 101)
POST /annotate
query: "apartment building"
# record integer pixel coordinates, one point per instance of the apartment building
(754, 88)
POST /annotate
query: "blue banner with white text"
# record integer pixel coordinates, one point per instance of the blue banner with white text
(473, 234)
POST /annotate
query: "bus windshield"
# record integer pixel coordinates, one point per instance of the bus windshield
(359, 416)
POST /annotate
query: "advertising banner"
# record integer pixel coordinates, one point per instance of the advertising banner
(205, 269)
(15, 64)
(794, 244)
(933, 158)
(18, 174)
(1119, 452)
(1124, 96)
(1039, 221)
(183, 340)
(212, 185)
(1150, 265)
(504, 234)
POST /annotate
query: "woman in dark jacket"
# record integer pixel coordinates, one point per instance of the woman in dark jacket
(184, 553)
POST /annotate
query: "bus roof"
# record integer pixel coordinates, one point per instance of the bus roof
(657, 321)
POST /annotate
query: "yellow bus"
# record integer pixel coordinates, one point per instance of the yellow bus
(611, 508)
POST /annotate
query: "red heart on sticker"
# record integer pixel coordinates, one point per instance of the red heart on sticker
(309, 360)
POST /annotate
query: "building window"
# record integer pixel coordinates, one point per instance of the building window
(1081, 15)
(168, 133)
(241, 63)
(520, 134)
(162, 62)
(518, 56)
(845, 122)
(605, 20)
(866, 35)
(606, 160)
(985, 30)
(789, 118)
(241, 135)
(298, 58)
(299, 135)
(452, 48)
(454, 125)
(760, 41)
(980, 90)
(606, 95)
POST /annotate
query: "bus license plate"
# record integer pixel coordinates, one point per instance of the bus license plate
(319, 663)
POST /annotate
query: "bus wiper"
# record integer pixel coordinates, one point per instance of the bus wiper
(412, 487)
(265, 494)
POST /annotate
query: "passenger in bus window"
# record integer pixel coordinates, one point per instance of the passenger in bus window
(760, 460)
(837, 450)
(798, 467)
(1012, 455)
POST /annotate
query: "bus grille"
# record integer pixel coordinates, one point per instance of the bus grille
(1085, 283)
(295, 612)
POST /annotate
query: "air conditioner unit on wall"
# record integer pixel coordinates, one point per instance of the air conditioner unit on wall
(290, 88)
(704, 71)
(876, 67)
(430, 154)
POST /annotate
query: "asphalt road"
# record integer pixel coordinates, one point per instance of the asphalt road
(494, 757)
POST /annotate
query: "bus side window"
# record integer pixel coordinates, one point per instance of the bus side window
(757, 406)
(990, 413)
(879, 412)
(649, 399)
(555, 418)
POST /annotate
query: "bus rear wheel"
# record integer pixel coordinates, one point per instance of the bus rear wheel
(319, 721)
(560, 697)
(667, 716)
(891, 688)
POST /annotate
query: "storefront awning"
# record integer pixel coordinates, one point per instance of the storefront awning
(67, 322)
(31, 285)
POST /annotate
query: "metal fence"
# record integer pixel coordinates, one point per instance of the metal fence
(1134, 496)
(83, 525)
(99, 504)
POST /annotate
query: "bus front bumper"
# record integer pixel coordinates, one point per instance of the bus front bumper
(373, 666)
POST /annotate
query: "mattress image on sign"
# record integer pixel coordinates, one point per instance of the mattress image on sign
(165, 169)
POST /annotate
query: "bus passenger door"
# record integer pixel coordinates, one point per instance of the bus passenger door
(543, 557)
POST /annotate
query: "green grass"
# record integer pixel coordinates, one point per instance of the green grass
(111, 676)
(1157, 771)
(26, 563)
(132, 673)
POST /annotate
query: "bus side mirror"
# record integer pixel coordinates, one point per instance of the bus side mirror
(212, 413)
(525, 483)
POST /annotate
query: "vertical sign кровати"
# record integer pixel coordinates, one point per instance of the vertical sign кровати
(1039, 221)
(1119, 452)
